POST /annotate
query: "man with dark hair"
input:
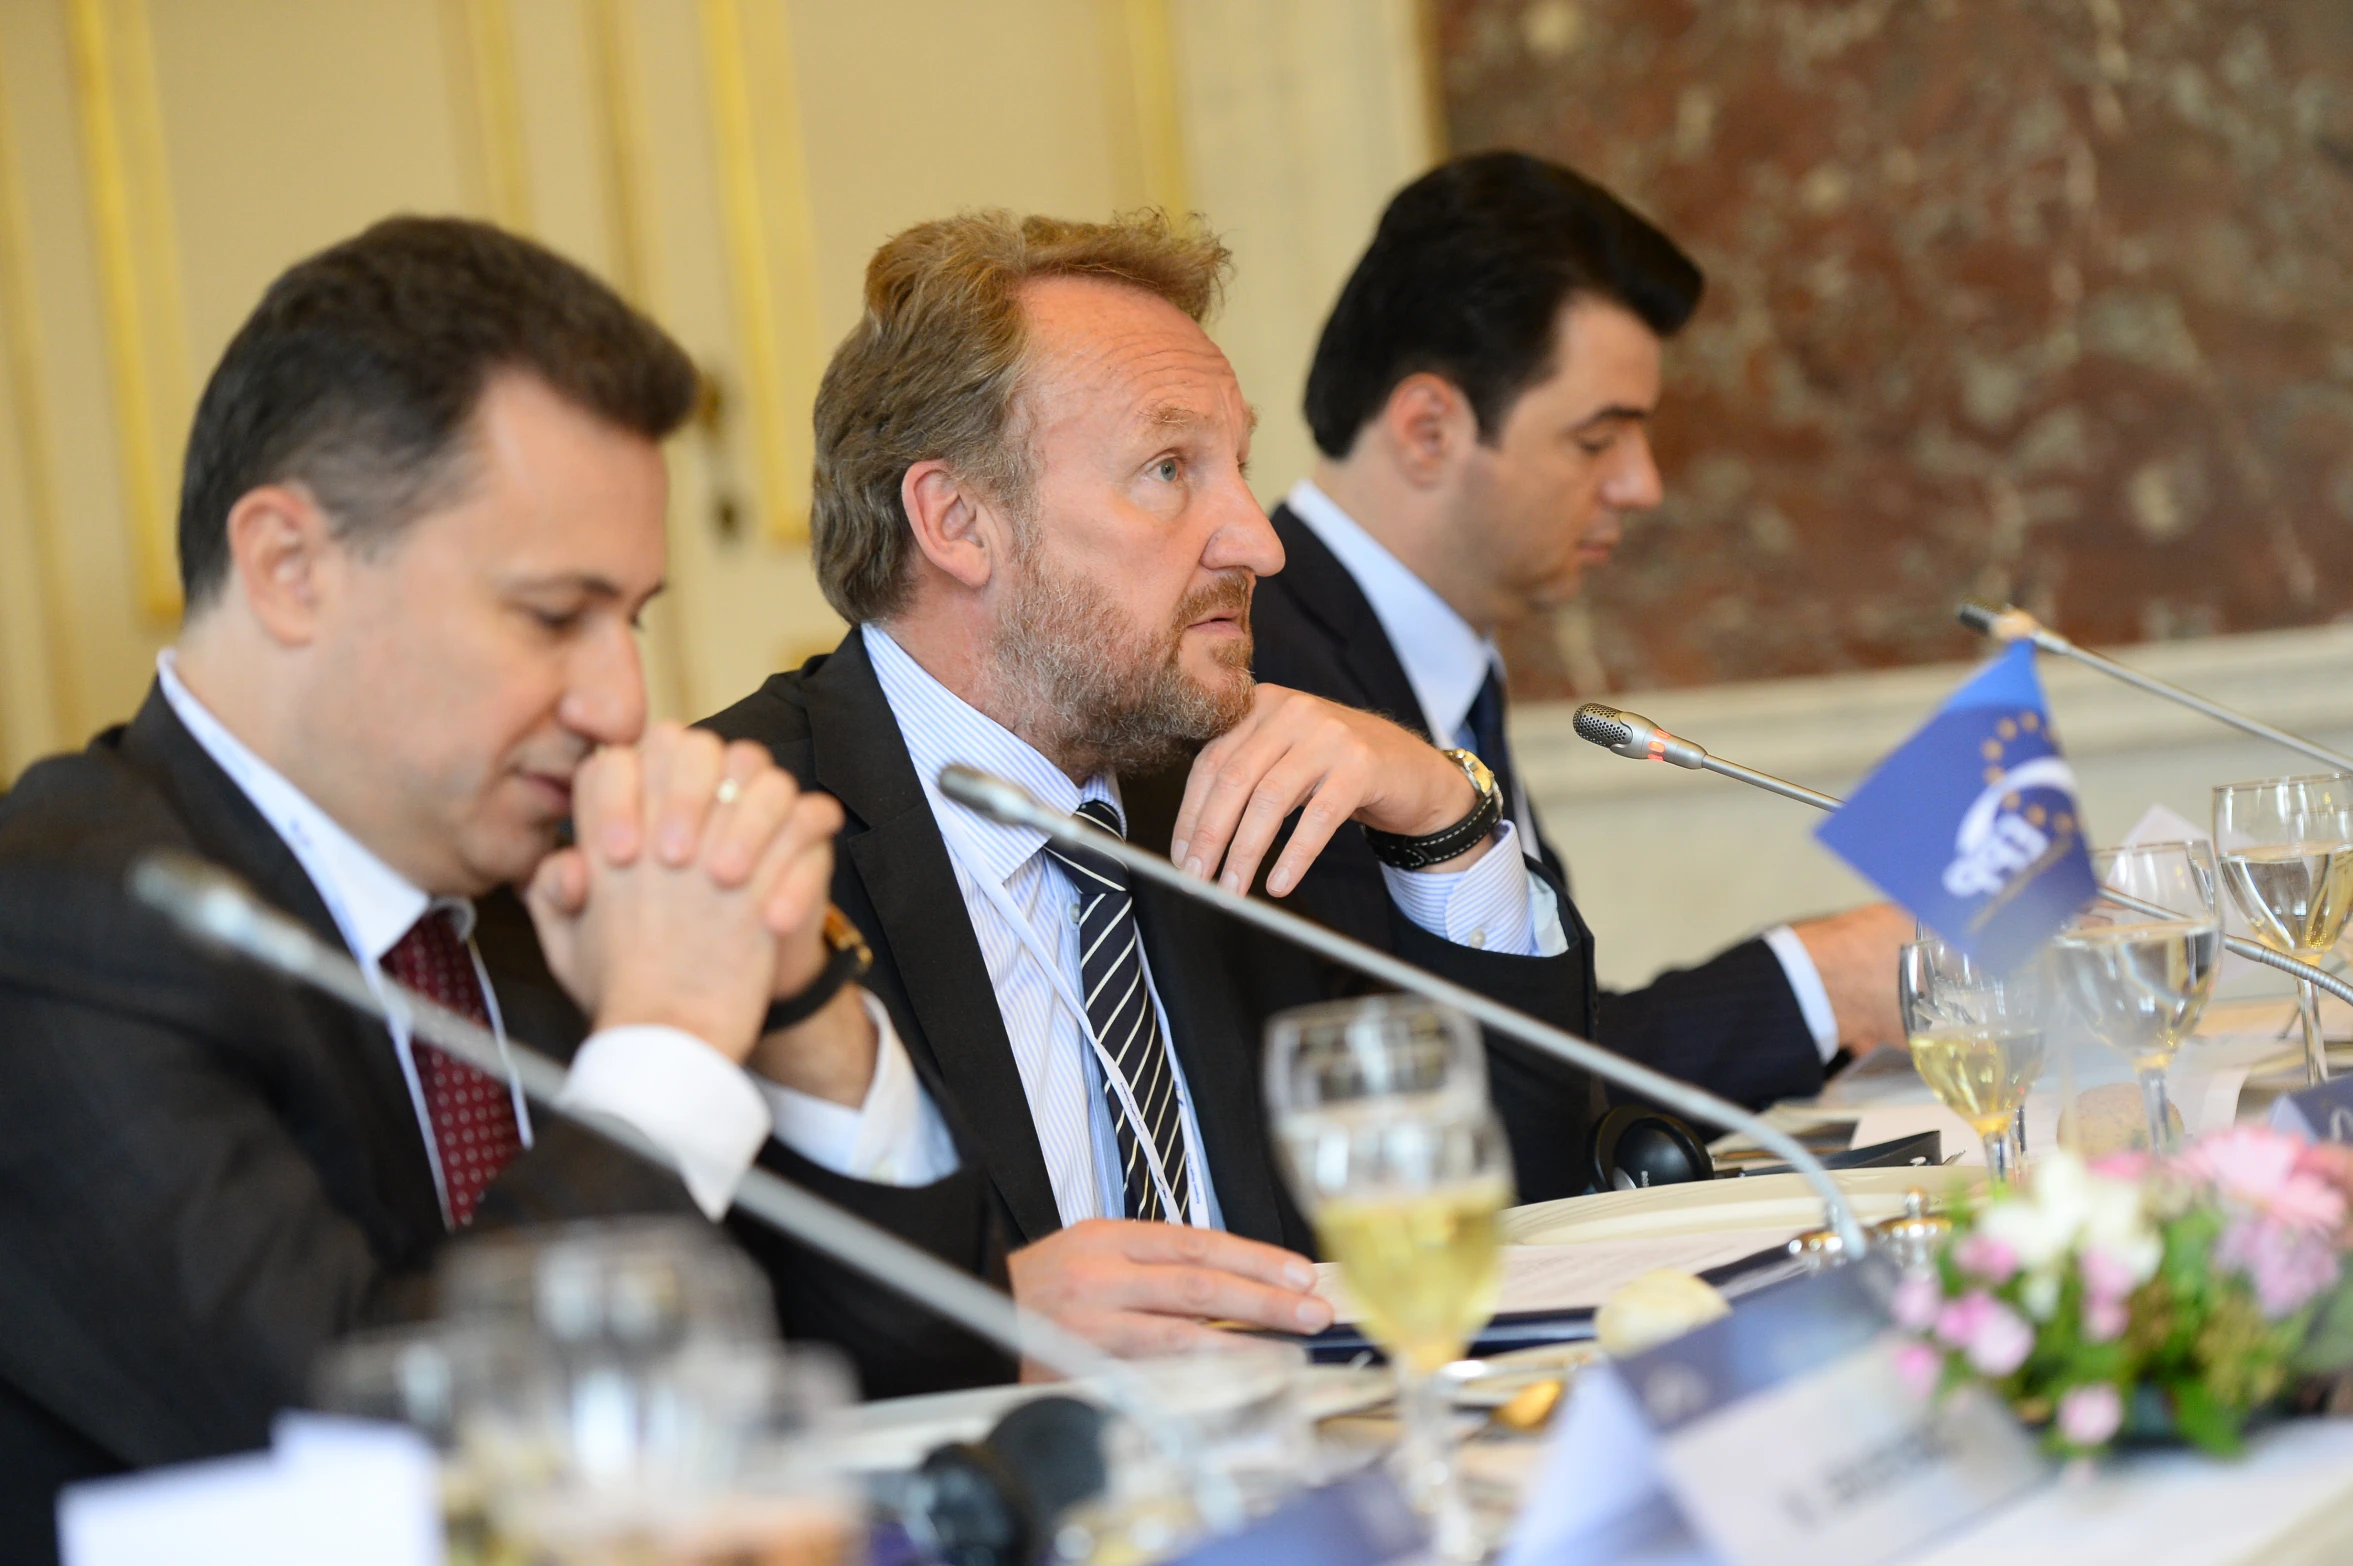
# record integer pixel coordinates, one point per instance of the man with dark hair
(1479, 396)
(1029, 500)
(423, 508)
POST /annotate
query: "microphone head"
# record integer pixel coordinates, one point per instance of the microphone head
(1979, 616)
(999, 799)
(1608, 728)
(2005, 623)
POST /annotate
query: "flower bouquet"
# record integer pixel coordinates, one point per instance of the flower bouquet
(2171, 1297)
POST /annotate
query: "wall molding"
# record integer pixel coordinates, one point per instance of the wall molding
(482, 51)
(127, 175)
(1144, 57)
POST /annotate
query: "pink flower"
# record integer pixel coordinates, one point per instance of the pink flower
(1983, 1256)
(2287, 1264)
(2090, 1414)
(2002, 1343)
(1918, 1366)
(2122, 1166)
(2267, 1170)
(1995, 1337)
(1916, 1302)
(2105, 1275)
(2104, 1318)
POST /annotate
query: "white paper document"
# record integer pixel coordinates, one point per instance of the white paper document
(1582, 1276)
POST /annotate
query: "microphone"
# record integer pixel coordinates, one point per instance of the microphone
(1633, 735)
(2009, 623)
(2254, 951)
(1009, 803)
(221, 914)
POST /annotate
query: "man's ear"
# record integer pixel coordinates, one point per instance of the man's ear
(958, 531)
(283, 553)
(1427, 423)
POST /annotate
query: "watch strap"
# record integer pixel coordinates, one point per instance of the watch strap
(1419, 853)
(849, 961)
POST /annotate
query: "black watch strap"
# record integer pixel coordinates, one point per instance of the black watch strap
(1419, 853)
(849, 961)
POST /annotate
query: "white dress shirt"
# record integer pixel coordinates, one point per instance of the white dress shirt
(707, 1112)
(1021, 907)
(1446, 662)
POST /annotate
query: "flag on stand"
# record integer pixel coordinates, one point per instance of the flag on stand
(1973, 823)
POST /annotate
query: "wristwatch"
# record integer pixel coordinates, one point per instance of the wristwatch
(1419, 853)
(848, 962)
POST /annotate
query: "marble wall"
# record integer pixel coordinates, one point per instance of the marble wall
(2044, 299)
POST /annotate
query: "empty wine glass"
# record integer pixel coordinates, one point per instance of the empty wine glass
(2286, 847)
(2139, 970)
(1976, 1038)
(1381, 1111)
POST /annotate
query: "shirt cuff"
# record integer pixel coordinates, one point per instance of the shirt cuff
(679, 1094)
(1805, 982)
(896, 1137)
(1494, 905)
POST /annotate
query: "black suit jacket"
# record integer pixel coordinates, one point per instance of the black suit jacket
(207, 1174)
(1731, 1025)
(830, 725)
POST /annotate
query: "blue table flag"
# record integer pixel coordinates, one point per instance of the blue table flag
(1973, 823)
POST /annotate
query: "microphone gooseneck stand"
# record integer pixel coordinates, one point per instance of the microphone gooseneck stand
(218, 912)
(1013, 805)
(2008, 623)
(2253, 950)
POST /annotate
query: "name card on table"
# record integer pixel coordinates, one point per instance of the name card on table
(1781, 1435)
(2320, 1114)
(1359, 1521)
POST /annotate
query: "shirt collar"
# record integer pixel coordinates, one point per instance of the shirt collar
(373, 903)
(1445, 660)
(940, 727)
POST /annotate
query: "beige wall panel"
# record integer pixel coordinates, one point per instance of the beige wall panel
(1302, 117)
(561, 115)
(111, 644)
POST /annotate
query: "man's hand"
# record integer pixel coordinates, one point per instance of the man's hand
(726, 913)
(1295, 751)
(1136, 1288)
(1855, 954)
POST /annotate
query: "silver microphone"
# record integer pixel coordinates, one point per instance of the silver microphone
(2252, 950)
(221, 914)
(2008, 623)
(1008, 802)
(1632, 735)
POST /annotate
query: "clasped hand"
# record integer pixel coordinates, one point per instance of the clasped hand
(696, 889)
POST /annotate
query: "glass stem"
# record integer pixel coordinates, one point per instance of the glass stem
(2315, 1047)
(1999, 1164)
(2160, 1112)
(1425, 1460)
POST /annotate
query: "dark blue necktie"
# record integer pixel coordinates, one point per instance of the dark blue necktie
(1126, 1023)
(1487, 742)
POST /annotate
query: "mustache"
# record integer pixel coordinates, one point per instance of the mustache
(1231, 590)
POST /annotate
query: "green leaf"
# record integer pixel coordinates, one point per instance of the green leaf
(2206, 1421)
(2329, 1345)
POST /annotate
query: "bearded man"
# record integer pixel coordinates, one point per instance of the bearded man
(1030, 504)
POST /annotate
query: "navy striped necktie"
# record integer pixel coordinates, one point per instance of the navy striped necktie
(1126, 1024)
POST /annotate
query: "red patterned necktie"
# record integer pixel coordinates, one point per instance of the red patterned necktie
(473, 1113)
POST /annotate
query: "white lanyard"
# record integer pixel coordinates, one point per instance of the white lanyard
(1050, 964)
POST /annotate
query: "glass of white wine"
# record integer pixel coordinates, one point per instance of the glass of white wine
(2140, 976)
(2286, 847)
(1976, 1037)
(1380, 1107)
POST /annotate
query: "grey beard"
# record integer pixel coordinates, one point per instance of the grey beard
(1095, 700)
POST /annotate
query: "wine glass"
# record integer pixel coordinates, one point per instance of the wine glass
(1380, 1108)
(2140, 975)
(1976, 1037)
(2286, 846)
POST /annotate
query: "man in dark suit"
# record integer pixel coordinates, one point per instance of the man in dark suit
(1030, 504)
(1479, 396)
(422, 507)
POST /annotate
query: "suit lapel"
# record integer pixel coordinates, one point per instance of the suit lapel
(927, 945)
(1322, 588)
(229, 831)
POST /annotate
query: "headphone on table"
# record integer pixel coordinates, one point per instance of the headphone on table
(1635, 1147)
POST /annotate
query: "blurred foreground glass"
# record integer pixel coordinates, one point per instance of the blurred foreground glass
(2140, 981)
(2286, 848)
(1977, 1039)
(1242, 1398)
(654, 1417)
(1380, 1106)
